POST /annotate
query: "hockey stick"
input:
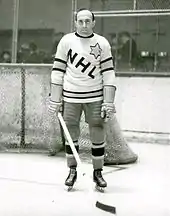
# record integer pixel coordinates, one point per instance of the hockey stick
(99, 205)
(70, 141)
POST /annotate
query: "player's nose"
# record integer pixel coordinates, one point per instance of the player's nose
(84, 24)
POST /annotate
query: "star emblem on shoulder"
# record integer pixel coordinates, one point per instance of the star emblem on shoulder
(95, 50)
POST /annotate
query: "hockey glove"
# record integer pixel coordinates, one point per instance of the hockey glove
(54, 107)
(107, 110)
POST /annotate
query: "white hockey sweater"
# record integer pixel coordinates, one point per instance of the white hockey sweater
(83, 65)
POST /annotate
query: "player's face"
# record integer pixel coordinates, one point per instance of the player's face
(84, 24)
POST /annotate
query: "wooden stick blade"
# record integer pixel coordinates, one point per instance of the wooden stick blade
(107, 208)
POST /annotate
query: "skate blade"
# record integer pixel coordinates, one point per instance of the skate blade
(100, 189)
(69, 188)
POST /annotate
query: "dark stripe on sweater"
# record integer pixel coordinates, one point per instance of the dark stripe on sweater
(107, 69)
(59, 69)
(86, 97)
(60, 60)
(72, 92)
(105, 60)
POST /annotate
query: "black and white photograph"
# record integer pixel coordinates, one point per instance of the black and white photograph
(84, 107)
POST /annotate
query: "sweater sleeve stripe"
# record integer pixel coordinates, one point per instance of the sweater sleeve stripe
(60, 60)
(107, 59)
(58, 69)
(107, 69)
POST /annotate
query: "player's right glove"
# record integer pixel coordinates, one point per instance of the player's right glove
(54, 107)
(55, 99)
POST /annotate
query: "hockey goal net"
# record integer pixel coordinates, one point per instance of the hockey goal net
(26, 126)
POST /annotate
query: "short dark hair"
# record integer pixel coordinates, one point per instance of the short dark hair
(81, 9)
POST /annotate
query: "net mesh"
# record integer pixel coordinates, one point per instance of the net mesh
(10, 114)
(27, 127)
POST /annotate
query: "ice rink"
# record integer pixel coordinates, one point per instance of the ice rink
(33, 185)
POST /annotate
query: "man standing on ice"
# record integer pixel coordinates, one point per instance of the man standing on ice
(83, 80)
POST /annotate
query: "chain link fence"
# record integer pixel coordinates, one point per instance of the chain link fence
(25, 124)
(10, 103)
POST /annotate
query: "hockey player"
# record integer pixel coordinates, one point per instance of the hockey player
(83, 80)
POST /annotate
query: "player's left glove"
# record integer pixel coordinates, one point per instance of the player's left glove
(108, 107)
(107, 110)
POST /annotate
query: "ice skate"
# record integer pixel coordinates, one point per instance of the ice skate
(71, 179)
(98, 179)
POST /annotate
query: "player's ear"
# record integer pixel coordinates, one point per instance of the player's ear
(94, 23)
(75, 23)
